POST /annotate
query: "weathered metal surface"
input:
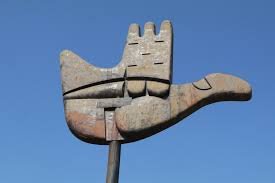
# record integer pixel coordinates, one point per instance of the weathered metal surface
(137, 99)
(112, 132)
(113, 102)
(85, 120)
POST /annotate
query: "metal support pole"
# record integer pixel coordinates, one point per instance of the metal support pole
(113, 162)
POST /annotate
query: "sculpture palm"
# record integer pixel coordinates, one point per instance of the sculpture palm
(137, 99)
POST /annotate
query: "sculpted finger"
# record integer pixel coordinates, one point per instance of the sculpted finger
(166, 30)
(158, 89)
(133, 34)
(149, 29)
(136, 88)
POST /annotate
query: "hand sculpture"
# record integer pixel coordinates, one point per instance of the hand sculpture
(137, 99)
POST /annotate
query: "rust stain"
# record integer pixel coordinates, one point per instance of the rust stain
(86, 125)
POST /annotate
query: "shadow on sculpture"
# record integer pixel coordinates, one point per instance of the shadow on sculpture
(136, 99)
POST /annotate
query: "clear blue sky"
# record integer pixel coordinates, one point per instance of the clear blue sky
(222, 143)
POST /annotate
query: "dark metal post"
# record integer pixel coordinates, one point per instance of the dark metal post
(113, 162)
